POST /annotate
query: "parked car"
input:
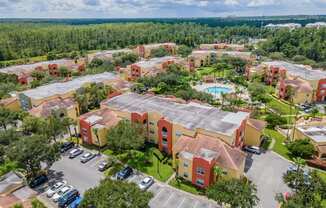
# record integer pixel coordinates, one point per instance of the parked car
(55, 188)
(61, 192)
(124, 173)
(75, 152)
(87, 157)
(146, 183)
(252, 149)
(104, 165)
(37, 181)
(66, 146)
(68, 198)
(76, 203)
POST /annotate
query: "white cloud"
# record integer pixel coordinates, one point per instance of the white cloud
(258, 3)
(155, 8)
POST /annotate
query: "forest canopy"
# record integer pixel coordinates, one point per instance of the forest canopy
(26, 40)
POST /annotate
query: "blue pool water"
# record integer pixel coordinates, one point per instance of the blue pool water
(218, 90)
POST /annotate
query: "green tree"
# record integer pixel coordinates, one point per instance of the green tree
(184, 50)
(159, 52)
(224, 192)
(301, 148)
(30, 151)
(274, 120)
(126, 136)
(64, 71)
(8, 117)
(116, 194)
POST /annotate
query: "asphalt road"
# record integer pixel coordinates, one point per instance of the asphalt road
(266, 171)
(85, 176)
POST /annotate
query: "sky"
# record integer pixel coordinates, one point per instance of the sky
(156, 8)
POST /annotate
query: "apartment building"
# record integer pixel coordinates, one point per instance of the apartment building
(316, 25)
(107, 55)
(195, 159)
(222, 46)
(290, 26)
(247, 56)
(61, 107)
(254, 132)
(24, 72)
(151, 67)
(145, 51)
(167, 119)
(11, 103)
(284, 74)
(199, 58)
(315, 131)
(35, 97)
(93, 126)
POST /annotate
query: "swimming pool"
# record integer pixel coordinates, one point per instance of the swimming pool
(218, 90)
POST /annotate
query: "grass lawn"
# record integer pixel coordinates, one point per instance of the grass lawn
(278, 146)
(7, 167)
(281, 107)
(186, 186)
(158, 170)
(150, 165)
(208, 70)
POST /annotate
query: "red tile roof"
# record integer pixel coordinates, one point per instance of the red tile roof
(226, 157)
(104, 117)
(45, 109)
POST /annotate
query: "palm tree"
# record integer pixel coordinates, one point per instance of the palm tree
(67, 122)
(289, 95)
(223, 96)
(218, 172)
(82, 102)
(95, 131)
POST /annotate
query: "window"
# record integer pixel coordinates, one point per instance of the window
(151, 123)
(178, 133)
(185, 175)
(152, 131)
(200, 171)
(164, 132)
(185, 164)
(200, 182)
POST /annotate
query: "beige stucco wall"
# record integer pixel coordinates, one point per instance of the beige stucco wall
(182, 170)
(252, 136)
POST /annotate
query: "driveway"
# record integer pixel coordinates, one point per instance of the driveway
(266, 171)
(85, 176)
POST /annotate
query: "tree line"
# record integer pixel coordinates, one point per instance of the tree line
(19, 40)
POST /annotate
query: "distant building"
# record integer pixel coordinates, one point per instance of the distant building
(315, 131)
(145, 51)
(199, 58)
(151, 67)
(316, 25)
(287, 25)
(222, 46)
(24, 72)
(34, 97)
(60, 107)
(11, 103)
(310, 84)
(254, 132)
(106, 55)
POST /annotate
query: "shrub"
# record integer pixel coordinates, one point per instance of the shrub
(301, 148)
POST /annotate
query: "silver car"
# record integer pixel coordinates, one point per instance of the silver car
(146, 183)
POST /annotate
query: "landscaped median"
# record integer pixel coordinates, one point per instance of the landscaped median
(281, 107)
(150, 161)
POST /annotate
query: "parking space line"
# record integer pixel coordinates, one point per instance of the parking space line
(183, 199)
(168, 199)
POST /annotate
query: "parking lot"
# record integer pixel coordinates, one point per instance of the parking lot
(85, 176)
(266, 171)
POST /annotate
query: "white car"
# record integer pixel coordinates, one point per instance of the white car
(61, 192)
(55, 188)
(146, 183)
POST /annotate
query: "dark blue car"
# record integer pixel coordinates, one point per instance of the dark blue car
(75, 203)
(68, 198)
